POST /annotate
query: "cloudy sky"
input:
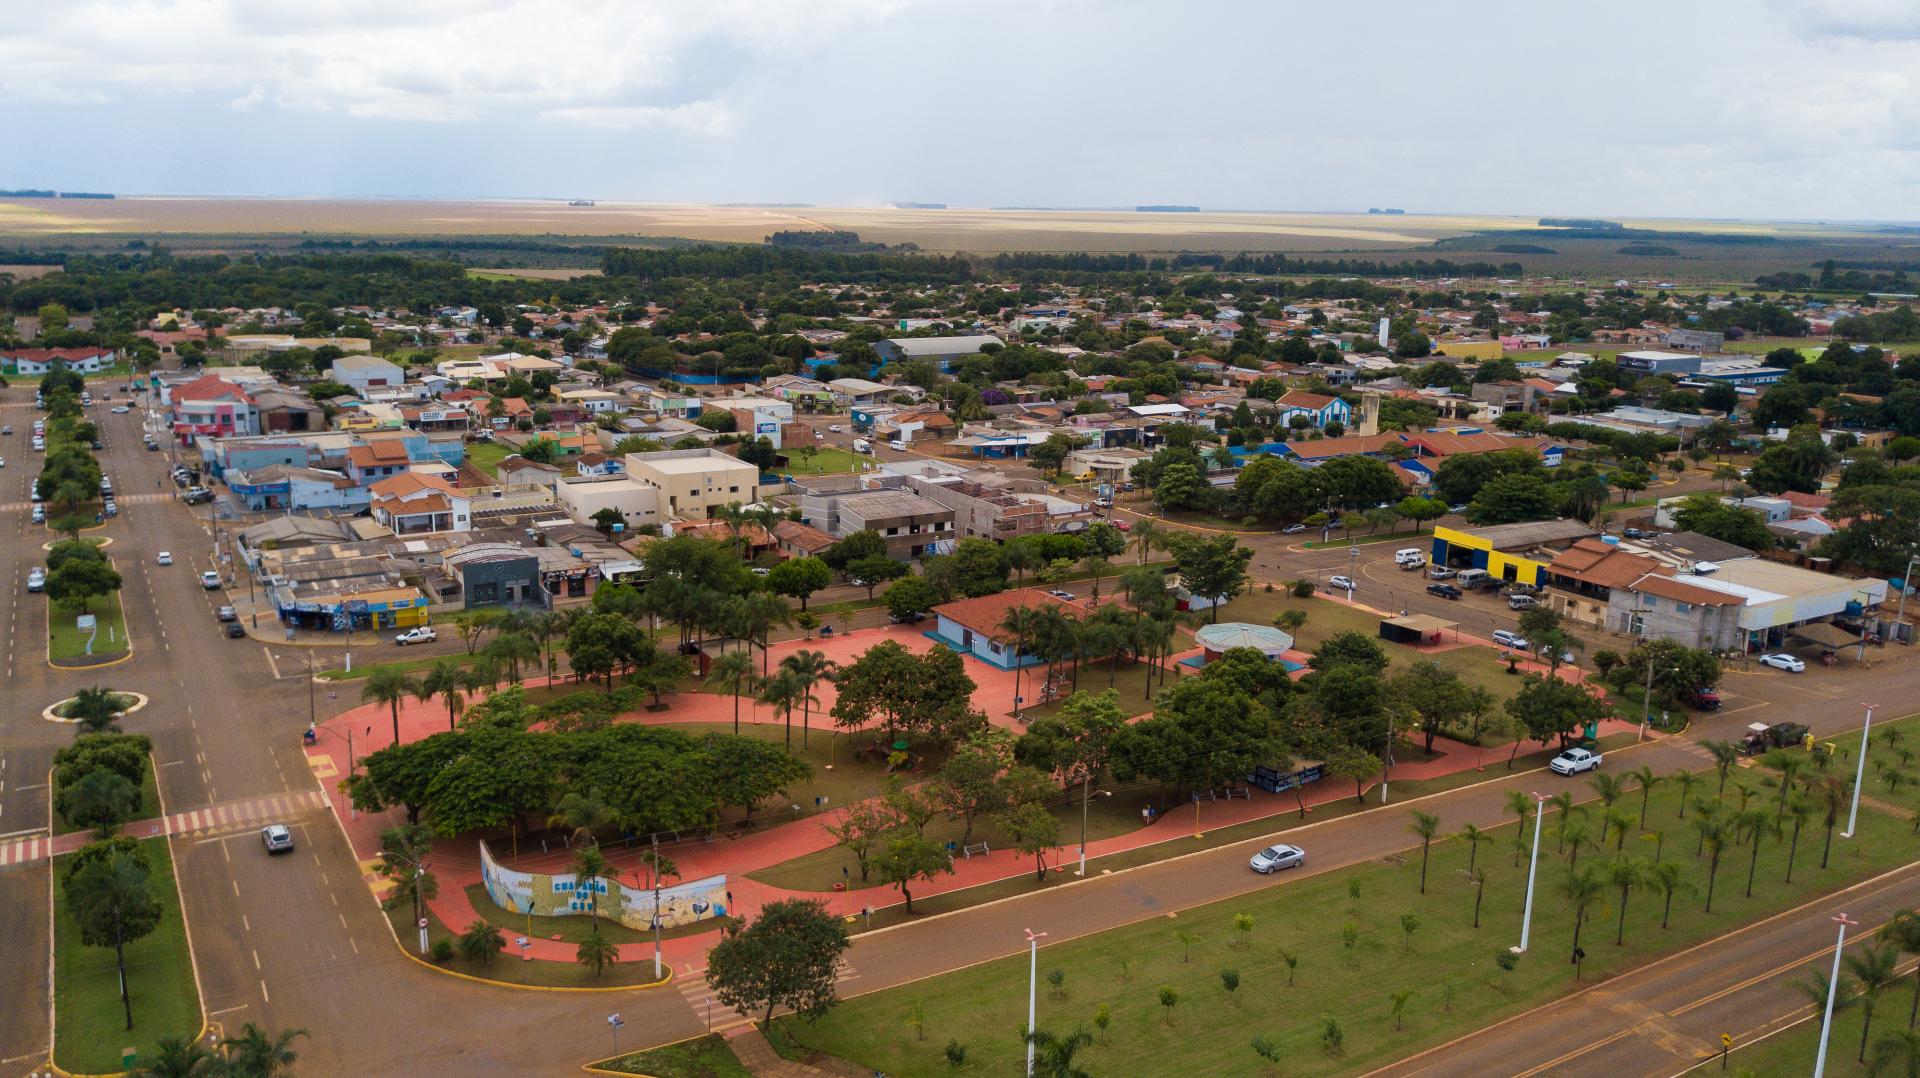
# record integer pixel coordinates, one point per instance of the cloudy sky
(1731, 108)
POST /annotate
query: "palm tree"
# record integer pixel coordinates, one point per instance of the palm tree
(510, 650)
(480, 942)
(1624, 874)
(257, 1054)
(596, 952)
(808, 668)
(1754, 824)
(589, 868)
(1713, 838)
(1789, 764)
(447, 679)
(1800, 810)
(1562, 803)
(1426, 825)
(1896, 1053)
(1815, 987)
(582, 814)
(1521, 806)
(1619, 822)
(1021, 623)
(1664, 877)
(118, 891)
(1647, 780)
(1148, 536)
(731, 673)
(783, 692)
(94, 711)
(1830, 796)
(176, 1057)
(1903, 931)
(388, 685)
(1725, 755)
(1686, 780)
(1876, 968)
(1473, 837)
(1053, 1056)
(1575, 835)
(1583, 889)
(758, 614)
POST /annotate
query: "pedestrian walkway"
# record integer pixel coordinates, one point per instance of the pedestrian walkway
(224, 818)
(751, 1048)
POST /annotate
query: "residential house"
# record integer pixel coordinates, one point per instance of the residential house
(283, 411)
(370, 462)
(975, 626)
(211, 406)
(413, 504)
(1319, 410)
(583, 496)
(797, 540)
(283, 486)
(34, 362)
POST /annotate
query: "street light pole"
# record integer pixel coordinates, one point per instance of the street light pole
(1859, 774)
(1833, 989)
(1033, 983)
(654, 868)
(1906, 585)
(1083, 823)
(1646, 700)
(1533, 862)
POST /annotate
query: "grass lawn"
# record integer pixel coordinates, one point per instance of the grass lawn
(1791, 1051)
(1353, 956)
(486, 456)
(362, 671)
(1363, 540)
(149, 804)
(701, 1057)
(825, 460)
(508, 967)
(67, 642)
(87, 1010)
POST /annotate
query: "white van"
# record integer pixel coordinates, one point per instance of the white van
(1471, 578)
(896, 443)
(861, 445)
(1409, 558)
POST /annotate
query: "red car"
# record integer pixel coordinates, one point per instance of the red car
(1121, 525)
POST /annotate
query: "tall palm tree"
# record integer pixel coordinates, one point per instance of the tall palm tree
(1903, 931)
(1473, 836)
(582, 814)
(510, 649)
(1609, 788)
(1624, 874)
(1686, 780)
(1426, 825)
(255, 1053)
(1053, 1055)
(1800, 810)
(1753, 825)
(1712, 827)
(1583, 889)
(1648, 780)
(116, 891)
(1021, 622)
(1664, 877)
(1725, 755)
(447, 679)
(1562, 804)
(783, 692)
(1148, 536)
(1830, 798)
(388, 686)
(809, 668)
(1896, 1053)
(1876, 968)
(732, 673)
(758, 614)
(589, 868)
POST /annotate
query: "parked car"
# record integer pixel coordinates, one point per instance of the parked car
(1293, 529)
(1063, 596)
(166, 557)
(833, 428)
(1340, 583)
(1704, 698)
(1574, 761)
(1637, 533)
(911, 617)
(1521, 601)
(110, 508)
(1780, 660)
(1274, 858)
(209, 580)
(1507, 638)
(1440, 572)
(36, 579)
(277, 837)
(39, 514)
(421, 635)
(236, 631)
(1444, 591)
(226, 613)
(1461, 508)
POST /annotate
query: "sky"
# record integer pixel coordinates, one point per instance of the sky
(1785, 109)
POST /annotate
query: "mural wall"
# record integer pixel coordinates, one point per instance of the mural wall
(560, 895)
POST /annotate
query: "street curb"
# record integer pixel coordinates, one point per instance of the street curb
(51, 664)
(595, 1068)
(47, 712)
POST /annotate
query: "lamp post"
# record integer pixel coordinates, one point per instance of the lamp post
(1859, 774)
(1906, 585)
(1533, 862)
(1833, 989)
(1646, 700)
(1033, 984)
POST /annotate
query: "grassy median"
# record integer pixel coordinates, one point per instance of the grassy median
(89, 1022)
(1394, 970)
(701, 1057)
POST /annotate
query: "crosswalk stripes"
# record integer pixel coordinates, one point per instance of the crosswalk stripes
(692, 986)
(243, 813)
(19, 851)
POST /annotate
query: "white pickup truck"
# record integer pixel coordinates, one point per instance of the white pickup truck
(1574, 761)
(421, 635)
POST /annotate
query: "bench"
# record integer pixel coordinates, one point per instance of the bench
(1240, 792)
(972, 848)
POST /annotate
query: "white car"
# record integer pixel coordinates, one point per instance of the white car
(833, 428)
(121, 409)
(1507, 638)
(36, 579)
(166, 557)
(1574, 761)
(1782, 661)
(277, 838)
(422, 635)
(209, 580)
(1274, 858)
(1343, 583)
(1441, 572)
(1293, 529)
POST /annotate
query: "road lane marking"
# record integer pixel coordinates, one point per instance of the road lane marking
(263, 992)
(256, 961)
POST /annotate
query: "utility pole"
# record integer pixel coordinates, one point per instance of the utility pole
(1033, 983)
(655, 869)
(1833, 989)
(1906, 585)
(1083, 823)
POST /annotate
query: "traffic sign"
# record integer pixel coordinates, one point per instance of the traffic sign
(614, 1020)
(423, 922)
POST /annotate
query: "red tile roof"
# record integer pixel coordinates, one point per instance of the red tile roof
(984, 614)
(1300, 398)
(210, 387)
(1671, 588)
(43, 355)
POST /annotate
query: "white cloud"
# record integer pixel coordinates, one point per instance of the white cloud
(1870, 20)
(605, 63)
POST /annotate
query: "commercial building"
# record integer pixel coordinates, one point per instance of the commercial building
(34, 362)
(762, 417)
(942, 351)
(694, 482)
(214, 407)
(584, 496)
(413, 504)
(912, 525)
(1650, 362)
(1509, 552)
(366, 372)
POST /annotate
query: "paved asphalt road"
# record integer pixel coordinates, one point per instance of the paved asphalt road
(297, 941)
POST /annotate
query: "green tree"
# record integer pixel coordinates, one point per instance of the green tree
(1549, 707)
(799, 578)
(1583, 889)
(596, 952)
(94, 710)
(112, 901)
(1876, 968)
(906, 858)
(102, 800)
(388, 685)
(78, 582)
(876, 569)
(179, 1057)
(787, 956)
(732, 673)
(808, 669)
(909, 596)
(1425, 825)
(1033, 831)
(1212, 567)
(480, 942)
(257, 1053)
